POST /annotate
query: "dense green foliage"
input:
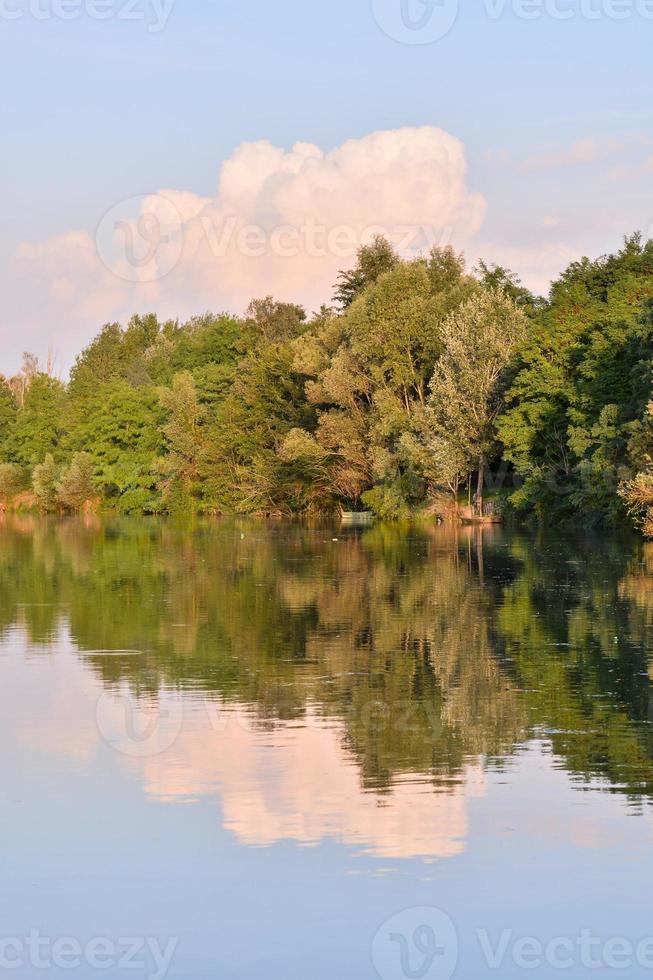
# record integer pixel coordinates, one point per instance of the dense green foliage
(577, 425)
(424, 381)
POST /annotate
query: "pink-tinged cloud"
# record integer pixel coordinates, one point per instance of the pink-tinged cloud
(281, 222)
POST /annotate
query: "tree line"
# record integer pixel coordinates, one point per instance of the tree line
(423, 387)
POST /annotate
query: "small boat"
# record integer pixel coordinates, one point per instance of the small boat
(467, 515)
(355, 518)
(485, 519)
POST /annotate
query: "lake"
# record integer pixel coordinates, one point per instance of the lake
(243, 750)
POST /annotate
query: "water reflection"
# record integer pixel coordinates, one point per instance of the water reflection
(358, 689)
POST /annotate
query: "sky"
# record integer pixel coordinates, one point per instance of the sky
(187, 155)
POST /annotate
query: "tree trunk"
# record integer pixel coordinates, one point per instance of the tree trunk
(479, 489)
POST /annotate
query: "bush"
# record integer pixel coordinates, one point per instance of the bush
(10, 479)
(45, 483)
(76, 484)
(638, 496)
(387, 503)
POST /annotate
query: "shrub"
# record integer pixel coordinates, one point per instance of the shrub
(10, 479)
(76, 484)
(45, 483)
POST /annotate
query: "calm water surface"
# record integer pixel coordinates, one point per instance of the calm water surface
(285, 752)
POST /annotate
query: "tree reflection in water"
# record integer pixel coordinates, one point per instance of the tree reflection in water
(431, 650)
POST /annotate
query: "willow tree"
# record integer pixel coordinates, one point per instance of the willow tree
(467, 391)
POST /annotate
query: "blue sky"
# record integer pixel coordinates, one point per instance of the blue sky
(554, 116)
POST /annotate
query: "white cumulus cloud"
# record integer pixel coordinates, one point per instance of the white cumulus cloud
(281, 222)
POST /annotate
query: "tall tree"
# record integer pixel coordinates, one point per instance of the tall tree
(184, 442)
(584, 382)
(8, 410)
(270, 322)
(368, 372)
(480, 340)
(39, 424)
(120, 426)
(242, 469)
(371, 262)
